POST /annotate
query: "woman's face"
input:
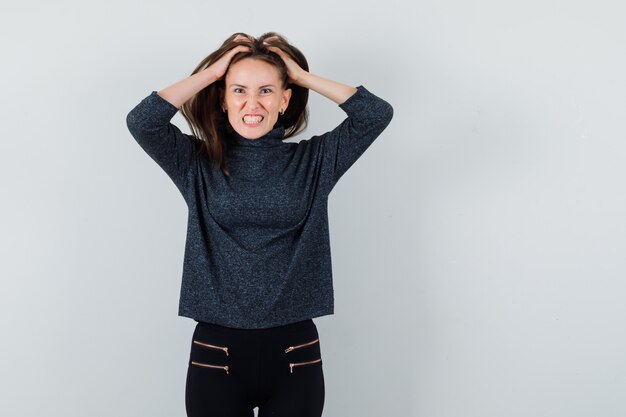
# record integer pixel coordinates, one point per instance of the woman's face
(254, 96)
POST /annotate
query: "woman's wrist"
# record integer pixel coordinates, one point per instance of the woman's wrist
(209, 76)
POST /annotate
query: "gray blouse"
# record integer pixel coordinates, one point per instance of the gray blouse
(257, 251)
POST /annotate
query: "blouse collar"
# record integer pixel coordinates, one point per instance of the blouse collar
(272, 138)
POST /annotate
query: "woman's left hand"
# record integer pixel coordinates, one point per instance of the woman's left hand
(337, 92)
(294, 71)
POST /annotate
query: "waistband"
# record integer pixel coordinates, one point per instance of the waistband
(289, 327)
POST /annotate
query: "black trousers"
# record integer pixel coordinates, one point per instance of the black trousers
(231, 371)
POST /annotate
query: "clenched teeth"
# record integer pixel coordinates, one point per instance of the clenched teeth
(252, 119)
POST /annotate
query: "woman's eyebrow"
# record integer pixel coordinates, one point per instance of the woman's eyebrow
(245, 86)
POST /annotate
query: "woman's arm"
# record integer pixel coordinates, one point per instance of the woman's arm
(333, 90)
(179, 93)
(368, 116)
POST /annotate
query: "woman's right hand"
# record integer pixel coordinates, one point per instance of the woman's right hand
(219, 67)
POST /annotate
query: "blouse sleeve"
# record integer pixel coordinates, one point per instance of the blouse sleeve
(173, 150)
(368, 115)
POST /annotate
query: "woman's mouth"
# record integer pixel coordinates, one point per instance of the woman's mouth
(252, 119)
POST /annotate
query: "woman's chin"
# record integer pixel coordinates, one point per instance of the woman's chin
(252, 132)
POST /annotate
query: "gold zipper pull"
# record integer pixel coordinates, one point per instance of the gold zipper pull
(291, 365)
(224, 348)
(225, 367)
(290, 348)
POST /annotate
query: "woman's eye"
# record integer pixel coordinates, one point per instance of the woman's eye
(265, 91)
(238, 90)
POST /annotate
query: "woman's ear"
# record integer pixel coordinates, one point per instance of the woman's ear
(286, 97)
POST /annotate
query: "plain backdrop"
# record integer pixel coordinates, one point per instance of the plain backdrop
(478, 245)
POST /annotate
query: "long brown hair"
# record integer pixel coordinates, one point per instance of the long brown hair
(203, 111)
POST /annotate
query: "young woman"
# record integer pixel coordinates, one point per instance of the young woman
(257, 265)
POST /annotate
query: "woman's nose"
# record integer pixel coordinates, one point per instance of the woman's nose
(252, 102)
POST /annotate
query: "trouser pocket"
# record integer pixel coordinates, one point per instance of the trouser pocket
(303, 350)
(209, 352)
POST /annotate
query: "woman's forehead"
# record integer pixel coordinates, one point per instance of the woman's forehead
(252, 72)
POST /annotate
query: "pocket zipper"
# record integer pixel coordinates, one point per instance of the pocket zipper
(211, 366)
(224, 348)
(291, 365)
(290, 348)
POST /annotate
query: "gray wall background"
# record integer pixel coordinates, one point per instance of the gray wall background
(478, 245)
